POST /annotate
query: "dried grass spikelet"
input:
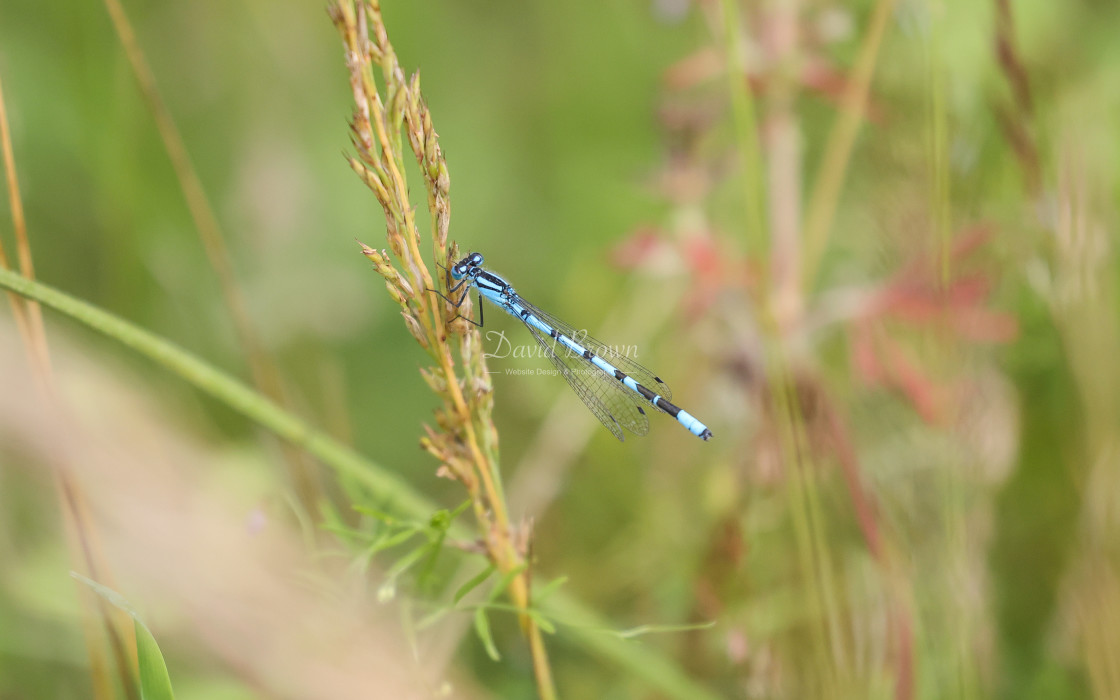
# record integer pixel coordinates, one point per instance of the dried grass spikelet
(465, 440)
(378, 119)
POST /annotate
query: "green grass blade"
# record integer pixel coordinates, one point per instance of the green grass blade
(506, 579)
(586, 628)
(482, 629)
(114, 598)
(155, 683)
(545, 592)
(642, 630)
(473, 583)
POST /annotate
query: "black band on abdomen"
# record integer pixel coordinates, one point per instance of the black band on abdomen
(669, 408)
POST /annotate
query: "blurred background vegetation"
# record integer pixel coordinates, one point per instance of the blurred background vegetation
(913, 487)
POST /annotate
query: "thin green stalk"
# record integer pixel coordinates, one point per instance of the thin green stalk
(810, 491)
(938, 128)
(965, 678)
(841, 141)
(746, 130)
(588, 629)
(789, 424)
(658, 672)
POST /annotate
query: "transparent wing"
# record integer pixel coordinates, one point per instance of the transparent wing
(616, 355)
(613, 404)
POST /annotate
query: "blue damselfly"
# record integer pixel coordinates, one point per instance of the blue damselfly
(607, 381)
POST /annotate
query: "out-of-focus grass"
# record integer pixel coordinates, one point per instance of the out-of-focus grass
(953, 482)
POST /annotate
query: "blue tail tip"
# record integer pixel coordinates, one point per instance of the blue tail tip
(706, 435)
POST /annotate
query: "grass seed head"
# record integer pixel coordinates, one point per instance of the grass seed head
(415, 329)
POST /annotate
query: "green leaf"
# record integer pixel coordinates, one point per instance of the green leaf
(442, 519)
(543, 622)
(506, 579)
(482, 628)
(659, 629)
(472, 584)
(432, 618)
(542, 594)
(155, 683)
(390, 541)
(407, 561)
(424, 578)
(381, 515)
(107, 593)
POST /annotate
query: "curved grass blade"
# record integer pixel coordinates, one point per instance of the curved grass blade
(473, 583)
(482, 629)
(542, 594)
(642, 630)
(506, 579)
(155, 682)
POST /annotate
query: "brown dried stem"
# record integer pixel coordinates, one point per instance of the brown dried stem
(29, 317)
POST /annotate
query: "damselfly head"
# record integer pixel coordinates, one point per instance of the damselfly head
(467, 266)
